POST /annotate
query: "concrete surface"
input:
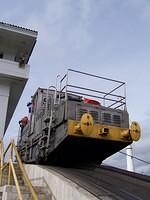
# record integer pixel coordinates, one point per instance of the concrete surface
(60, 187)
(9, 192)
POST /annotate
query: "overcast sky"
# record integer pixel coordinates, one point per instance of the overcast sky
(106, 37)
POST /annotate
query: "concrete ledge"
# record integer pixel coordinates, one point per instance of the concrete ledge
(60, 187)
(11, 69)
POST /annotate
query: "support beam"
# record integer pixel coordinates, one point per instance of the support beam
(4, 97)
(130, 163)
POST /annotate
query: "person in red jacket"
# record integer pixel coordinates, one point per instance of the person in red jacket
(23, 122)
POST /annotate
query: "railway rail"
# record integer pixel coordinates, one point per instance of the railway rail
(109, 183)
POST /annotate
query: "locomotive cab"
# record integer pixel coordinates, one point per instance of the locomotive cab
(77, 124)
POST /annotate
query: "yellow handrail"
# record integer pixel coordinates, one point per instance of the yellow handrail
(15, 179)
(4, 152)
(1, 152)
(25, 174)
(11, 169)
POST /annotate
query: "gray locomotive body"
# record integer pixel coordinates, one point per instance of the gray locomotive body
(64, 128)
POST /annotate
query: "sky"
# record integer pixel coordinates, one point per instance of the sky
(109, 38)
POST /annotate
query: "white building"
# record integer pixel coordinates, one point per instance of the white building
(16, 45)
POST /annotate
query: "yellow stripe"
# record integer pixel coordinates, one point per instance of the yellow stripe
(99, 131)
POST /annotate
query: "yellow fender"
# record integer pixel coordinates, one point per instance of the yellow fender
(87, 124)
(135, 131)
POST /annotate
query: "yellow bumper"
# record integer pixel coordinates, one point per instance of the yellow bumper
(86, 128)
(99, 132)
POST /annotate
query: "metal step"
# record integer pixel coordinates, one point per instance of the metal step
(10, 193)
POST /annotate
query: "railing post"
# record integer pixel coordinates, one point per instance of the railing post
(34, 195)
(11, 153)
(11, 169)
(15, 179)
(0, 176)
(9, 174)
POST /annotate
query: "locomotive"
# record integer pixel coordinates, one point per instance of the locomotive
(77, 124)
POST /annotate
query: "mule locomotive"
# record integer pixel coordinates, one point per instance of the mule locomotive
(77, 124)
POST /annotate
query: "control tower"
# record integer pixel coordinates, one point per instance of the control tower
(16, 45)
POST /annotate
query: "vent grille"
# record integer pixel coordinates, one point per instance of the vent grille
(106, 117)
(80, 112)
(94, 115)
(113, 119)
(116, 119)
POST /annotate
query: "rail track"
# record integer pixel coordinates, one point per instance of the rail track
(108, 183)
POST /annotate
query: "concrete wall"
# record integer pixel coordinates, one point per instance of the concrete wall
(11, 69)
(60, 187)
(4, 96)
(12, 82)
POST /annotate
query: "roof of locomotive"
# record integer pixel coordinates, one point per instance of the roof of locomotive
(40, 90)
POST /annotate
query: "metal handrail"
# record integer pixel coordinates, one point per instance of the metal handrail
(96, 91)
(93, 75)
(12, 171)
(11, 167)
(110, 97)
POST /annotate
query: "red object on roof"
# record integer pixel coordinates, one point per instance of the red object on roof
(91, 101)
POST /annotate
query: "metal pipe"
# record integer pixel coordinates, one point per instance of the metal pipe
(114, 90)
(117, 101)
(9, 174)
(88, 89)
(55, 95)
(7, 149)
(93, 96)
(121, 104)
(48, 94)
(63, 78)
(108, 79)
(49, 127)
(130, 163)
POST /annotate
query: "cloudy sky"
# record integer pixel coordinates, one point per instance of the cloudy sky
(106, 37)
